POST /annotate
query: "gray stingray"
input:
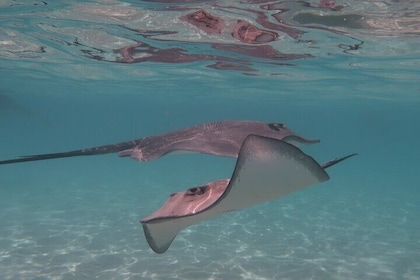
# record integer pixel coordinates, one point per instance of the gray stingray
(10, 107)
(222, 138)
(266, 169)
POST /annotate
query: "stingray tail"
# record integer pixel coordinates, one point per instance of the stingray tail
(100, 150)
(337, 160)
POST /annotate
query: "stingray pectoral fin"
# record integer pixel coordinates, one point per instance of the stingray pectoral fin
(160, 233)
(159, 236)
(266, 169)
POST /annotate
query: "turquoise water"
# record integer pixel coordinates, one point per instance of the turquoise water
(65, 84)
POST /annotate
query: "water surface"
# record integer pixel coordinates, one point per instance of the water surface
(77, 74)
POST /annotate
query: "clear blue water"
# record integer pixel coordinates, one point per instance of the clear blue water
(64, 85)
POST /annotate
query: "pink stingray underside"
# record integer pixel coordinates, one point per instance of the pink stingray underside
(190, 202)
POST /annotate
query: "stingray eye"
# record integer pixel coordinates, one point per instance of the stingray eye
(276, 126)
(197, 190)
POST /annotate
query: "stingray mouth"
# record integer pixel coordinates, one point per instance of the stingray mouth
(298, 140)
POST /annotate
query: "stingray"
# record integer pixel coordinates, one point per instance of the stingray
(9, 106)
(266, 169)
(222, 138)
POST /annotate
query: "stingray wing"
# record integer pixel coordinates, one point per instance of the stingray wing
(266, 169)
